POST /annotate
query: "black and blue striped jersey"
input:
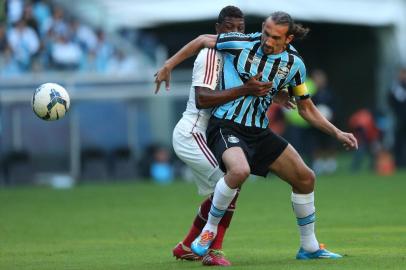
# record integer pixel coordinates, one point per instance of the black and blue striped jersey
(243, 59)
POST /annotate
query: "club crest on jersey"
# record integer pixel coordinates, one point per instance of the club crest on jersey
(232, 139)
(282, 72)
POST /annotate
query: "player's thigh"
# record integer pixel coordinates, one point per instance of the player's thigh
(230, 149)
(237, 167)
(192, 149)
(235, 159)
(290, 167)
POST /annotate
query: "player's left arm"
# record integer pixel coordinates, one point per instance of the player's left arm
(309, 111)
(311, 114)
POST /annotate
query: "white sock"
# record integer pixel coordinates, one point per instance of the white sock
(303, 206)
(222, 197)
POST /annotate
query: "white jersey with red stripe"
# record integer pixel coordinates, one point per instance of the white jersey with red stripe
(189, 135)
(206, 73)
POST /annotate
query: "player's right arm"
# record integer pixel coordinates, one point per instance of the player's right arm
(207, 98)
(190, 49)
(207, 71)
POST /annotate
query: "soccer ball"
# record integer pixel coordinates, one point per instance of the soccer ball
(50, 101)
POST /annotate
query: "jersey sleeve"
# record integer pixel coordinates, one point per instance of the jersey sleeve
(297, 83)
(207, 69)
(236, 41)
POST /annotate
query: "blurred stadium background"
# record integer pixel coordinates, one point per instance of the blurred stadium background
(105, 53)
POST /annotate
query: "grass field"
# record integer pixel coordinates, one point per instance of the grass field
(135, 225)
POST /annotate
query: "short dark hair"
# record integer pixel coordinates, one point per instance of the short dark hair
(296, 29)
(230, 11)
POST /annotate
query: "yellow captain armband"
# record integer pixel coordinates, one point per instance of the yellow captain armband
(300, 91)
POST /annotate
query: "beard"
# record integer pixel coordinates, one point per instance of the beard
(267, 49)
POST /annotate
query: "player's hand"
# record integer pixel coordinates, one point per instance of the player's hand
(257, 88)
(348, 140)
(163, 74)
(284, 99)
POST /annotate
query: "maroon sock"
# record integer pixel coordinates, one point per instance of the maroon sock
(198, 223)
(218, 241)
(193, 233)
(226, 220)
(201, 219)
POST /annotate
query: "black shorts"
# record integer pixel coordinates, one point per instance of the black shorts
(261, 146)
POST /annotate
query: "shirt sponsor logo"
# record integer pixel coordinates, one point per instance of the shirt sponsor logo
(233, 34)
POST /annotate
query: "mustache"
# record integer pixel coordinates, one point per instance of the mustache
(267, 47)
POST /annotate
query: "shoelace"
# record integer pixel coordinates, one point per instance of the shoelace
(217, 253)
(185, 248)
(206, 237)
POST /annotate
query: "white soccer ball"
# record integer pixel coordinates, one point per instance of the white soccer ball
(50, 101)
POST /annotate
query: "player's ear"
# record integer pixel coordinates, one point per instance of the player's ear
(289, 39)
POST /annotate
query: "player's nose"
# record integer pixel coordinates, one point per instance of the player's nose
(269, 42)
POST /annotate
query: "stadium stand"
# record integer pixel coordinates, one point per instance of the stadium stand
(41, 36)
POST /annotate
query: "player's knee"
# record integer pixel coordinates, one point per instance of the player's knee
(307, 179)
(240, 173)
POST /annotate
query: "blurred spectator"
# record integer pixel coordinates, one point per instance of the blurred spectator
(28, 17)
(324, 160)
(104, 51)
(298, 131)
(363, 125)
(7, 63)
(89, 63)
(385, 165)
(42, 13)
(57, 26)
(83, 34)
(10, 67)
(3, 39)
(24, 43)
(161, 167)
(146, 160)
(15, 9)
(397, 100)
(149, 44)
(121, 64)
(66, 55)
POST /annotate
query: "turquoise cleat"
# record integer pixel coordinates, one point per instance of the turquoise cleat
(322, 253)
(200, 246)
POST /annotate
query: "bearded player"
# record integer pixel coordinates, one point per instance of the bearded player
(238, 133)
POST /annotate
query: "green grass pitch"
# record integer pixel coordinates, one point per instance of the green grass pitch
(136, 225)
